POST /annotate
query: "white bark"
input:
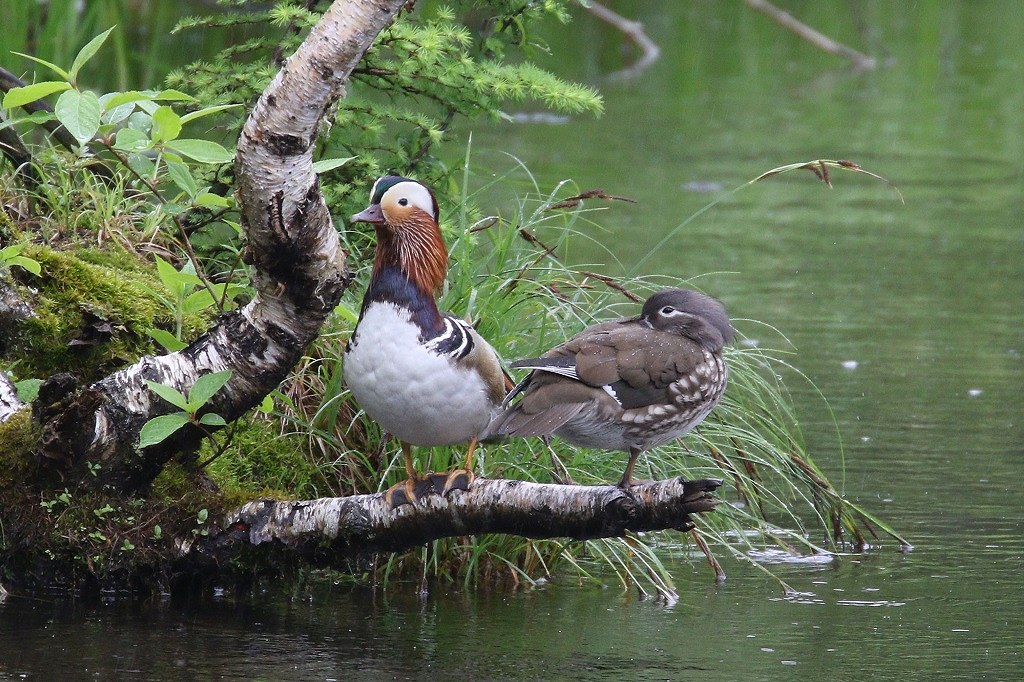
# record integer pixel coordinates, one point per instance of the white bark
(329, 530)
(9, 402)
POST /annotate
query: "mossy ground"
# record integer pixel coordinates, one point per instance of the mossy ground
(91, 312)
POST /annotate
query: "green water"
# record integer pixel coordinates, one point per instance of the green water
(926, 297)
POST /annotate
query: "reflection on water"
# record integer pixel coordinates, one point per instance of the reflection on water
(909, 318)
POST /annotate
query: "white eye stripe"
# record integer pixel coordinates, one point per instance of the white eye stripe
(413, 194)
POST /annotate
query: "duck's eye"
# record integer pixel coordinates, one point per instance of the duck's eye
(667, 310)
(403, 202)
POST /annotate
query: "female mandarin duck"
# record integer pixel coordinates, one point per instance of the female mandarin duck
(627, 385)
(427, 377)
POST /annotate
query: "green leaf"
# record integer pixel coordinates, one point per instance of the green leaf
(266, 406)
(53, 67)
(117, 114)
(140, 121)
(166, 124)
(12, 251)
(120, 99)
(173, 209)
(191, 116)
(168, 393)
(79, 112)
(10, 255)
(27, 263)
(196, 301)
(202, 151)
(159, 428)
(207, 200)
(176, 282)
(141, 164)
(212, 419)
(148, 106)
(27, 389)
(206, 386)
(132, 140)
(166, 339)
(38, 118)
(171, 96)
(17, 97)
(325, 165)
(182, 177)
(87, 52)
(202, 516)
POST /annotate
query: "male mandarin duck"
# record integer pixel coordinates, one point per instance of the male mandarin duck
(426, 376)
(630, 385)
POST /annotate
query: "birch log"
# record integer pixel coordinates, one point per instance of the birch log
(298, 271)
(328, 531)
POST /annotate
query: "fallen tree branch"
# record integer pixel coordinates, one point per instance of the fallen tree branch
(329, 531)
(860, 61)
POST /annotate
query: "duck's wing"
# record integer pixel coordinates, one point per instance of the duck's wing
(631, 362)
(464, 347)
(556, 391)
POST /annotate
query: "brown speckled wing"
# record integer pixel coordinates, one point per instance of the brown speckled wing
(638, 363)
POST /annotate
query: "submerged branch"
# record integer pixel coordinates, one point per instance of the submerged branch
(328, 531)
(634, 32)
(860, 61)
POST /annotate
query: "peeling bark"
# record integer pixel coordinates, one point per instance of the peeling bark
(9, 401)
(298, 271)
(328, 531)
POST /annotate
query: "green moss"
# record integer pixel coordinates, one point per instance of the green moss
(262, 462)
(18, 437)
(69, 537)
(91, 287)
(8, 229)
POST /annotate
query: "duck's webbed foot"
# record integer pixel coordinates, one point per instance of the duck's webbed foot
(411, 490)
(457, 479)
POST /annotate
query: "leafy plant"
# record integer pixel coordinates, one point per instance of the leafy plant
(425, 70)
(134, 141)
(63, 498)
(11, 255)
(159, 428)
(189, 294)
(27, 389)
